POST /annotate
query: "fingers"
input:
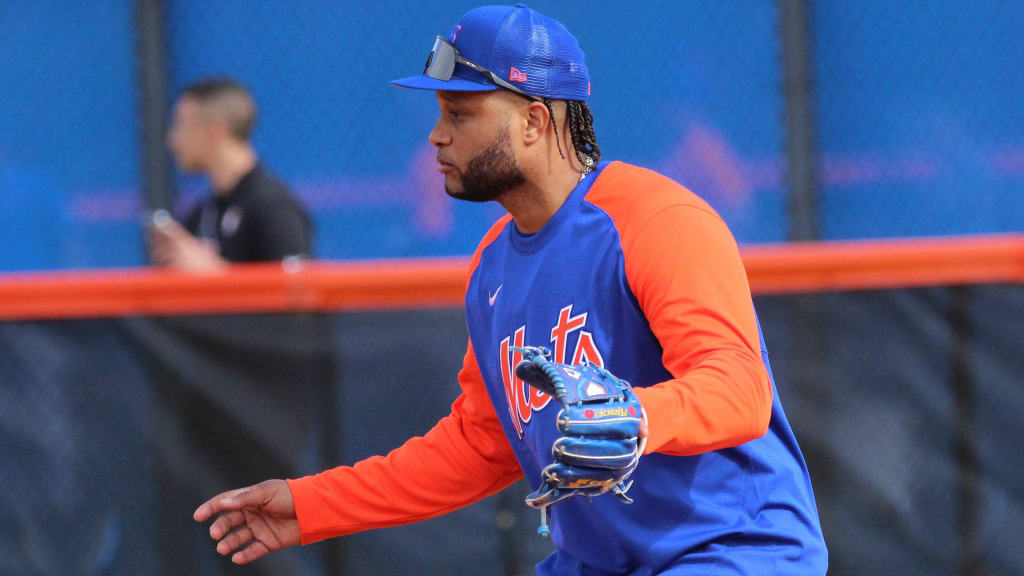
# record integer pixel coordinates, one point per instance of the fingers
(240, 520)
(170, 234)
(234, 541)
(253, 496)
(170, 228)
(161, 249)
(219, 503)
(254, 551)
(169, 244)
(163, 256)
(206, 510)
(226, 523)
(238, 539)
(168, 241)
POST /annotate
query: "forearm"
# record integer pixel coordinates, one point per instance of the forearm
(426, 477)
(464, 458)
(723, 401)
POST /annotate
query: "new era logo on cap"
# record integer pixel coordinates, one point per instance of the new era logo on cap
(516, 75)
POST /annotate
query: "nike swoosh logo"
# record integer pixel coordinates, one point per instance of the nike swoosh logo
(492, 297)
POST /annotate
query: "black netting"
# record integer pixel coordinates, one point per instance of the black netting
(905, 404)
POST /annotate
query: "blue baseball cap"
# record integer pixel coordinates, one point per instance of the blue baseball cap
(512, 47)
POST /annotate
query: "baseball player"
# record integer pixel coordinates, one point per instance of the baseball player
(614, 353)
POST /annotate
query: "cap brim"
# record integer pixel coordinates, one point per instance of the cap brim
(455, 84)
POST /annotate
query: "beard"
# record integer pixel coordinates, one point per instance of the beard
(490, 173)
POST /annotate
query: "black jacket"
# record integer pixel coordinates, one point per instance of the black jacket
(258, 221)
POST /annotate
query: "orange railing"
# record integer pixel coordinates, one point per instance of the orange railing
(391, 284)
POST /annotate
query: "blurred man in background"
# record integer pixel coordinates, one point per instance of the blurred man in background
(251, 216)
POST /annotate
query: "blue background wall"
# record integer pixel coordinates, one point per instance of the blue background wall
(918, 122)
(69, 155)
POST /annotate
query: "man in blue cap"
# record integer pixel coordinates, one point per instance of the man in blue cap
(613, 267)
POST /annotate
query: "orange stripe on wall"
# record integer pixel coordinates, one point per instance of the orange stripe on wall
(315, 287)
(439, 283)
(881, 264)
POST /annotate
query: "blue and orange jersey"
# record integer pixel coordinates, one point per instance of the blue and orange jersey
(639, 275)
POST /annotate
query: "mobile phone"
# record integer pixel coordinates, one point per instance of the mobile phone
(157, 219)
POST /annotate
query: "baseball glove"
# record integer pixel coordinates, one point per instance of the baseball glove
(600, 422)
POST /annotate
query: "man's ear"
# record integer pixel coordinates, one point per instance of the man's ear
(537, 120)
(217, 129)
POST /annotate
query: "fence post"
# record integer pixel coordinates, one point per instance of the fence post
(801, 153)
(153, 103)
(970, 560)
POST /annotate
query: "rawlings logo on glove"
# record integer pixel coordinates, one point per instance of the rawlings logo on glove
(600, 422)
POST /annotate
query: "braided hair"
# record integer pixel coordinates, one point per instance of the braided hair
(581, 129)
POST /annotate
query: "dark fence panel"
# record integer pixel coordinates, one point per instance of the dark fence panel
(906, 405)
(76, 451)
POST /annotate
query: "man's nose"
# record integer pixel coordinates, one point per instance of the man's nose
(439, 136)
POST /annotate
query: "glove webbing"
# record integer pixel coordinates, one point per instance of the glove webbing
(529, 352)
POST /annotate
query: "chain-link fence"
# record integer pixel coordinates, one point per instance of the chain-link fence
(918, 119)
(913, 112)
(694, 94)
(69, 159)
(74, 452)
(113, 430)
(915, 130)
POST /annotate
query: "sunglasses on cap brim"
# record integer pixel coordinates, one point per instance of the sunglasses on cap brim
(443, 58)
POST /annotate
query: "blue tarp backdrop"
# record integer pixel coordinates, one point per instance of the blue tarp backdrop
(916, 115)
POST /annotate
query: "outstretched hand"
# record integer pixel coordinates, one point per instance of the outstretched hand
(253, 521)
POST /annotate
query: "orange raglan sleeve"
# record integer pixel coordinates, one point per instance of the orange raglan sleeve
(684, 268)
(462, 459)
